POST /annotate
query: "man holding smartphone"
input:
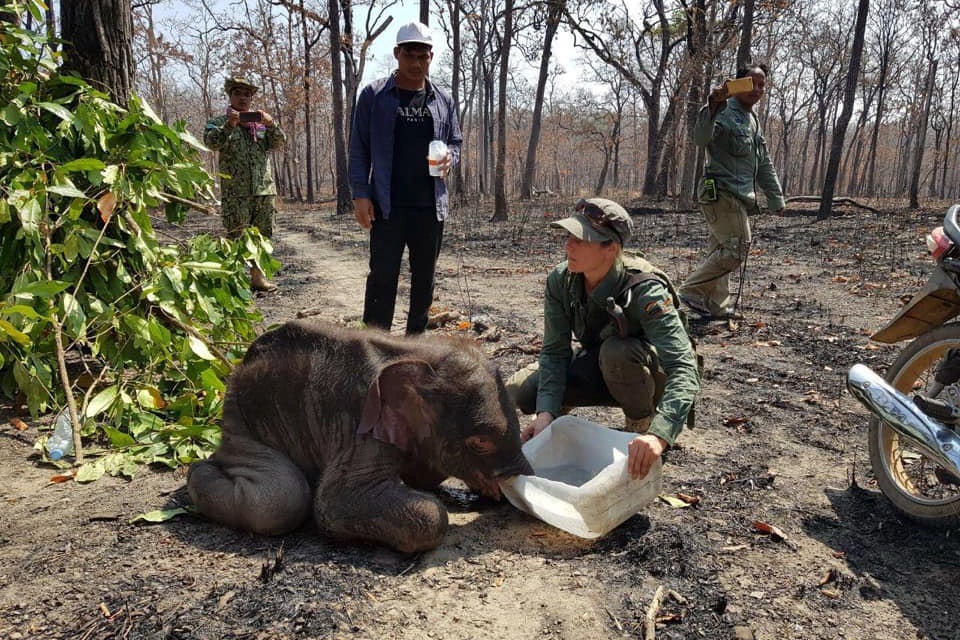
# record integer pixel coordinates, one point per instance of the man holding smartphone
(737, 163)
(244, 139)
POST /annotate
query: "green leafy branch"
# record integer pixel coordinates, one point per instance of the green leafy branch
(92, 306)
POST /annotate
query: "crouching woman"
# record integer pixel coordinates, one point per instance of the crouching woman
(636, 355)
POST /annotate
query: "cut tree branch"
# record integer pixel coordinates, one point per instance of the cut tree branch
(836, 201)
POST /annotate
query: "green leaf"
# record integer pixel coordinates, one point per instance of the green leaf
(150, 398)
(57, 110)
(12, 114)
(188, 137)
(160, 515)
(118, 438)
(200, 349)
(14, 333)
(41, 288)
(83, 164)
(67, 191)
(74, 317)
(19, 309)
(102, 401)
(90, 471)
(213, 268)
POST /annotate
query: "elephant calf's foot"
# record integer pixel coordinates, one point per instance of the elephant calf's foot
(397, 516)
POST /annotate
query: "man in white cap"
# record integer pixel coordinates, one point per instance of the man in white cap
(635, 355)
(394, 194)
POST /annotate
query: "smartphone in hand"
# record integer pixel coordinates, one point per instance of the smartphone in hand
(251, 116)
(740, 85)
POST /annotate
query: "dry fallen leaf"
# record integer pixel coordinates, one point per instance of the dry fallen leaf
(831, 593)
(18, 424)
(61, 477)
(106, 204)
(831, 575)
(734, 421)
(689, 499)
(839, 554)
(676, 503)
(670, 618)
(766, 343)
(463, 325)
(735, 547)
(770, 529)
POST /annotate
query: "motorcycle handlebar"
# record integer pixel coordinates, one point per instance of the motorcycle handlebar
(951, 224)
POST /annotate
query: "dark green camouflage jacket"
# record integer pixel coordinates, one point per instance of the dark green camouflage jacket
(651, 315)
(244, 159)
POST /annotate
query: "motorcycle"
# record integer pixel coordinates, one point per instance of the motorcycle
(914, 437)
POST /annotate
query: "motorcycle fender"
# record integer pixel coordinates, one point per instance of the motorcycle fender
(929, 308)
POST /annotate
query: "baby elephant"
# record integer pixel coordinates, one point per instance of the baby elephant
(356, 424)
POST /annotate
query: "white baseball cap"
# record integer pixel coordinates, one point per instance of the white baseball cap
(414, 33)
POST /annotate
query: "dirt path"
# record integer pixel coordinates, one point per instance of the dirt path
(777, 440)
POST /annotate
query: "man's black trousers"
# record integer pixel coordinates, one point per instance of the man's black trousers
(419, 231)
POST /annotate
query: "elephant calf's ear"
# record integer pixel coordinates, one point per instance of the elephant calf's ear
(394, 411)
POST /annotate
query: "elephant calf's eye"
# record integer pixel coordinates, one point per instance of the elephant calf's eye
(481, 445)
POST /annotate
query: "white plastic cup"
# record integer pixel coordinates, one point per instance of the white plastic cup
(435, 157)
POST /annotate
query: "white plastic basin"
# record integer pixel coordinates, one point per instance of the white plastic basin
(582, 484)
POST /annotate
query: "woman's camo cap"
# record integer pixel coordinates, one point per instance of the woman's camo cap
(598, 220)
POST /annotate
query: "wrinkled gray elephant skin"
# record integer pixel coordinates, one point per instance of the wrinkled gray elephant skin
(354, 426)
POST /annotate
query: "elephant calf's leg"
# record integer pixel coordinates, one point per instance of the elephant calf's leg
(386, 513)
(247, 485)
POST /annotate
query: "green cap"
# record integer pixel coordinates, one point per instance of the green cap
(233, 82)
(598, 220)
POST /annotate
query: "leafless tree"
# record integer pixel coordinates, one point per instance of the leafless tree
(641, 48)
(553, 11)
(500, 176)
(840, 128)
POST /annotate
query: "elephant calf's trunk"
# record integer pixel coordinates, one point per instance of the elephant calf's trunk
(520, 466)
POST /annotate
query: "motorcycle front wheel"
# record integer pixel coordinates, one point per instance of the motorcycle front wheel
(916, 485)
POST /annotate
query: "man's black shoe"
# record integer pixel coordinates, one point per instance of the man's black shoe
(697, 306)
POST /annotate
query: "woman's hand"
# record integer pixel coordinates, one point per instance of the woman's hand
(643, 453)
(538, 424)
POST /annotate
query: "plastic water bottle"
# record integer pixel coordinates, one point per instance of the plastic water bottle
(435, 157)
(60, 442)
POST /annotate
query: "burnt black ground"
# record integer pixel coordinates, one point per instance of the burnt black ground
(777, 440)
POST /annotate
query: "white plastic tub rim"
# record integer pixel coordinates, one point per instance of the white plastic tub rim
(582, 484)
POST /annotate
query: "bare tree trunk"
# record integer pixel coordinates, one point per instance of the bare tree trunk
(155, 72)
(922, 136)
(949, 135)
(699, 63)
(500, 181)
(307, 101)
(344, 202)
(746, 35)
(425, 11)
(840, 130)
(457, 55)
(99, 44)
(554, 12)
